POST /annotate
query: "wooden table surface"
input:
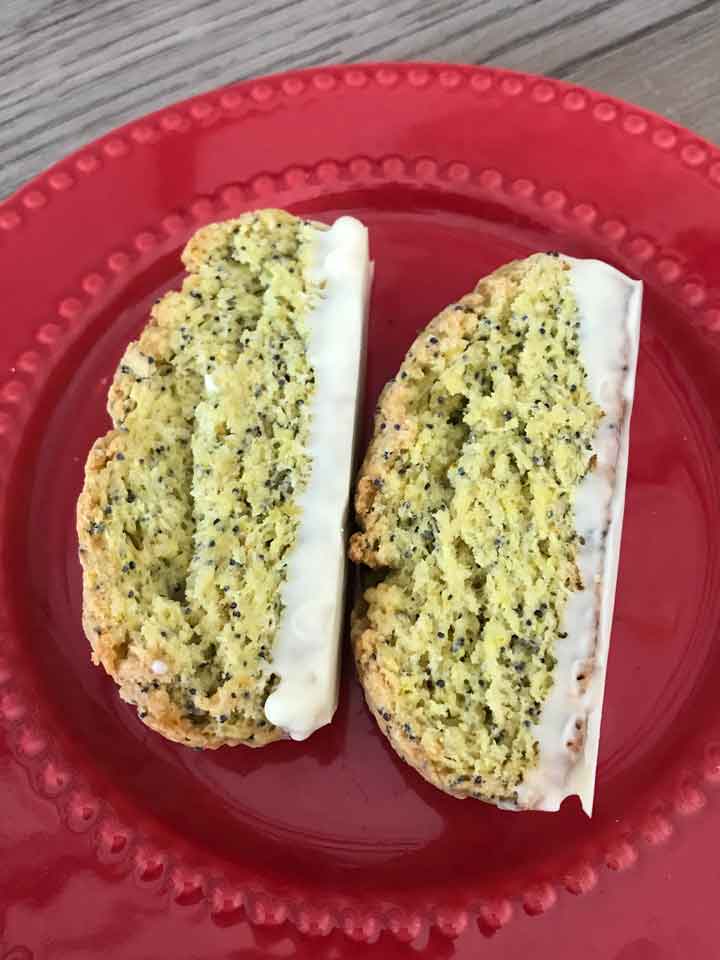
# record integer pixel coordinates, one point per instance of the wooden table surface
(72, 69)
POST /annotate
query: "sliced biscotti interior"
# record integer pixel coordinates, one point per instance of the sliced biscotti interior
(190, 502)
(466, 507)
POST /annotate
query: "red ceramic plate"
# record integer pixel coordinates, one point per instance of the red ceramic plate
(117, 843)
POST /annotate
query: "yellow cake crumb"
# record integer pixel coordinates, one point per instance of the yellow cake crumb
(466, 504)
(190, 502)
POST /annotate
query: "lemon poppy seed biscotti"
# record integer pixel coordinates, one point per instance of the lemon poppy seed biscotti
(490, 506)
(211, 522)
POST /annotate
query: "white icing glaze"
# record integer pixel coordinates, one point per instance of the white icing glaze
(306, 650)
(609, 305)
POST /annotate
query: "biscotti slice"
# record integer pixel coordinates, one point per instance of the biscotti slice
(490, 505)
(211, 523)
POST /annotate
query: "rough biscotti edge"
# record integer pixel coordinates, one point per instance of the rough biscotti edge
(155, 708)
(391, 410)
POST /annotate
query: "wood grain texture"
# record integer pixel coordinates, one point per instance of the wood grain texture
(73, 69)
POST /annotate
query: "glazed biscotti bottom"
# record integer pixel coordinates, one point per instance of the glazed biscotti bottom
(211, 523)
(490, 508)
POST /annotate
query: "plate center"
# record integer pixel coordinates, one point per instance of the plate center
(341, 805)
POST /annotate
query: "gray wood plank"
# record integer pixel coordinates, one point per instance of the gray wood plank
(73, 69)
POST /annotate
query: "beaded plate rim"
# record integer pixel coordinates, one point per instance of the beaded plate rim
(82, 811)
